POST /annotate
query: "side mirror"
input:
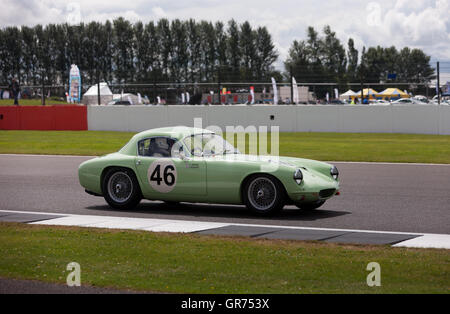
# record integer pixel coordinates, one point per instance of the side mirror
(182, 155)
(177, 151)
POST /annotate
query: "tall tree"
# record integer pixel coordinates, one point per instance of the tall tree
(298, 61)
(28, 64)
(233, 50)
(179, 61)
(194, 49)
(121, 52)
(153, 65)
(208, 51)
(352, 61)
(334, 57)
(12, 53)
(123, 47)
(266, 53)
(248, 50)
(43, 59)
(414, 66)
(221, 49)
(165, 36)
(107, 52)
(140, 46)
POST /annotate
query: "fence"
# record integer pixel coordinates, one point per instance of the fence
(171, 92)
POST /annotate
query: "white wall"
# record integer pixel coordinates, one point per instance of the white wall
(418, 119)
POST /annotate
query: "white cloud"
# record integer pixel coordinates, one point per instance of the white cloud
(158, 12)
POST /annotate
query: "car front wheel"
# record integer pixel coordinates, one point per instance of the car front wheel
(263, 195)
(121, 189)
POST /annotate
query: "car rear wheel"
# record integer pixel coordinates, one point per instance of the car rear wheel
(121, 189)
(263, 195)
(310, 206)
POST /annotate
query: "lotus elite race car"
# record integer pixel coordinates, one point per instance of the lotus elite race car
(181, 164)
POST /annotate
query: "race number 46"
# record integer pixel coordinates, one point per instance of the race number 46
(162, 175)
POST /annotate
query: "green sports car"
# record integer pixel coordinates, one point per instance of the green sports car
(181, 164)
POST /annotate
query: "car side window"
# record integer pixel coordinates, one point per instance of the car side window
(156, 147)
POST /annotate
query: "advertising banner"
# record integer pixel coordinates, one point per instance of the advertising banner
(295, 91)
(74, 84)
(275, 92)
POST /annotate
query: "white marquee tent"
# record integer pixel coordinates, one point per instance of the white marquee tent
(347, 95)
(91, 96)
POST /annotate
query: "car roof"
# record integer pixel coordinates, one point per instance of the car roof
(177, 132)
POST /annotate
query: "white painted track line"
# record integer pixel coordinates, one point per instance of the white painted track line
(435, 241)
(186, 226)
(73, 221)
(424, 240)
(83, 220)
(109, 222)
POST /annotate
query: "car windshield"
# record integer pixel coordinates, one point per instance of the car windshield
(208, 144)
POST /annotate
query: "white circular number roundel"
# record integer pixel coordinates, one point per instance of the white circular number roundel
(162, 175)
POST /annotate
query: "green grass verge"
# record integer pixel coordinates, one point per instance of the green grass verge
(30, 102)
(141, 260)
(86, 143)
(320, 146)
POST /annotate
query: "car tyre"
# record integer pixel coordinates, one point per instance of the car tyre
(121, 189)
(263, 195)
(310, 206)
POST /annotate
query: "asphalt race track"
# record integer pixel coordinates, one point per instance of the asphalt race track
(383, 197)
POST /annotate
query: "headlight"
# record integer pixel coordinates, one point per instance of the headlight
(298, 176)
(334, 173)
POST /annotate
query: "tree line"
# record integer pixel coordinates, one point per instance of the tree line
(320, 59)
(190, 51)
(122, 52)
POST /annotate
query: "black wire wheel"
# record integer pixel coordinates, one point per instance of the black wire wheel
(121, 189)
(263, 195)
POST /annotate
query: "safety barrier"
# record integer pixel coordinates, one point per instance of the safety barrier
(418, 119)
(73, 118)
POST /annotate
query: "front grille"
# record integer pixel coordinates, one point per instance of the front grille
(327, 193)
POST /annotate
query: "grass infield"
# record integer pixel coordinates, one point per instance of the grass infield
(409, 148)
(187, 263)
(31, 102)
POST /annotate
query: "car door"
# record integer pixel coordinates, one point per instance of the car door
(161, 174)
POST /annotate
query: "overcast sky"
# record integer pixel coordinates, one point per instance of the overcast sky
(423, 24)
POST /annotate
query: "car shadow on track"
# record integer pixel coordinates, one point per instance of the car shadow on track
(201, 211)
